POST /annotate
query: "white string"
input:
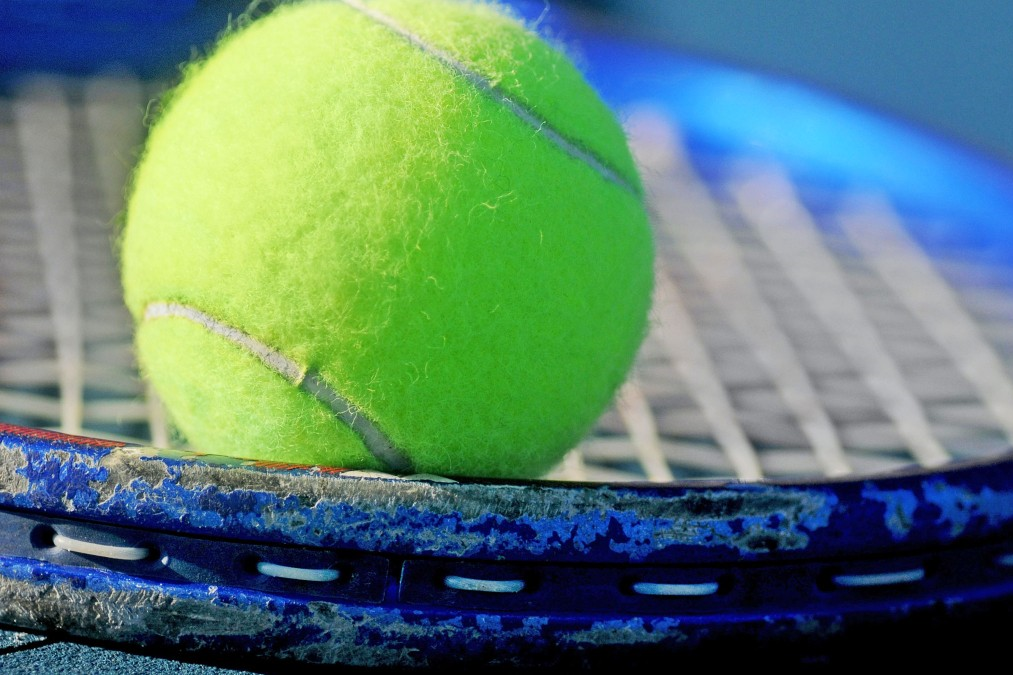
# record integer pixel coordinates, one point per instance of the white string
(322, 575)
(130, 553)
(768, 202)
(873, 228)
(688, 215)
(636, 412)
(44, 127)
(687, 351)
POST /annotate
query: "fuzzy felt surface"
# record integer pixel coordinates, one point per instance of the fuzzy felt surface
(348, 192)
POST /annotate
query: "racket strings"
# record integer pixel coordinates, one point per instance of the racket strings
(792, 335)
(66, 360)
(816, 339)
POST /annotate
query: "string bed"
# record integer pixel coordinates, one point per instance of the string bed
(797, 332)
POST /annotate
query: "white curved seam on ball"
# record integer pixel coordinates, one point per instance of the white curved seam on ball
(272, 358)
(481, 83)
(375, 441)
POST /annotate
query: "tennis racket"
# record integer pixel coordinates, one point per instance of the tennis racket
(811, 457)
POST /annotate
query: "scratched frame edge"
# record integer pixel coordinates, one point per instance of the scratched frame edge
(685, 522)
(691, 525)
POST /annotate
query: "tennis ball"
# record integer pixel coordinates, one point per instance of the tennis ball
(404, 236)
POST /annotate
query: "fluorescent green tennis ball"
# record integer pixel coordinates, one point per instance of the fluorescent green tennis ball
(403, 235)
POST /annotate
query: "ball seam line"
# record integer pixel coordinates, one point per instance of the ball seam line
(527, 116)
(374, 440)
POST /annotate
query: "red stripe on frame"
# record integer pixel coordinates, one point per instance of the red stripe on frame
(56, 436)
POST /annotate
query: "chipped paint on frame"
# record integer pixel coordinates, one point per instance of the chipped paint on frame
(306, 506)
(898, 509)
(450, 519)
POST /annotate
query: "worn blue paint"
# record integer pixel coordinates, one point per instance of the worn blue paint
(959, 508)
(898, 509)
(441, 519)
(189, 617)
(470, 520)
(707, 530)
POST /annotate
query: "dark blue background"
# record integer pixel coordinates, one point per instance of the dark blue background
(943, 64)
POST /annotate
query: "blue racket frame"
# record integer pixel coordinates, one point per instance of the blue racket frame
(440, 573)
